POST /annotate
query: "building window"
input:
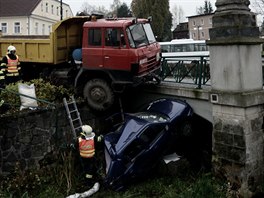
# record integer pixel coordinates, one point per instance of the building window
(194, 23)
(194, 35)
(202, 21)
(4, 27)
(47, 7)
(36, 28)
(41, 7)
(202, 34)
(52, 9)
(57, 11)
(17, 27)
(49, 28)
(43, 29)
(210, 21)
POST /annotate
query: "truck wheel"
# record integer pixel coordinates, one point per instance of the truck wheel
(98, 94)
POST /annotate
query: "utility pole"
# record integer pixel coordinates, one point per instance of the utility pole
(61, 11)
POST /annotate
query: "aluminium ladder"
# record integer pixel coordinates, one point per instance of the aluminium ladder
(73, 116)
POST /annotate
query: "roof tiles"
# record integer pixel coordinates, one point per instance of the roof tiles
(17, 7)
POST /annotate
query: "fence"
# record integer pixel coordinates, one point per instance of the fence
(188, 70)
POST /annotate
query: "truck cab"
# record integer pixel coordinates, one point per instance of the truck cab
(116, 53)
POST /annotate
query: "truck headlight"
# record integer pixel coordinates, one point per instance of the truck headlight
(157, 56)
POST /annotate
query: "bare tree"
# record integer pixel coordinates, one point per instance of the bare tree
(199, 10)
(87, 9)
(114, 7)
(103, 10)
(177, 15)
(206, 9)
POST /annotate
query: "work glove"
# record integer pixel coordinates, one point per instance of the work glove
(100, 138)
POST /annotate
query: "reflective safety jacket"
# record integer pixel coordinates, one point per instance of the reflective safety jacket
(86, 147)
(12, 66)
(2, 71)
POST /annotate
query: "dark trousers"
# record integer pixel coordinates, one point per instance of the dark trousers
(2, 84)
(12, 79)
(89, 167)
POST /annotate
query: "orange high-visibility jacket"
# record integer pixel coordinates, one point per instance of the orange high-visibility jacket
(12, 66)
(86, 147)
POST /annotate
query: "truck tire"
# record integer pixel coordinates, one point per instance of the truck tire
(98, 94)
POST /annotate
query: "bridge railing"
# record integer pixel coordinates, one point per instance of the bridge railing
(186, 69)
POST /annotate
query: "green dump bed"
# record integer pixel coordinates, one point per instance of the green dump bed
(66, 35)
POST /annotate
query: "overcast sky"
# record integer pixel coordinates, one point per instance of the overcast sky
(188, 6)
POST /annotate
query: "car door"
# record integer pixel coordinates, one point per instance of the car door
(148, 148)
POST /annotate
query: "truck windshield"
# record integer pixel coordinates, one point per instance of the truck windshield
(149, 32)
(140, 35)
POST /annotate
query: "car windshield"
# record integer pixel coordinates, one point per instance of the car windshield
(152, 117)
(140, 35)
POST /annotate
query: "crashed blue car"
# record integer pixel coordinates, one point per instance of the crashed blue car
(141, 140)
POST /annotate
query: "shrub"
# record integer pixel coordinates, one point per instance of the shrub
(44, 91)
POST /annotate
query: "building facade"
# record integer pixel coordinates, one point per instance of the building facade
(199, 26)
(31, 17)
(181, 31)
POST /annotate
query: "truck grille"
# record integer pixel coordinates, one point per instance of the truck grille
(151, 63)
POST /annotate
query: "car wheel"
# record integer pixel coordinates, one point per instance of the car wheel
(98, 94)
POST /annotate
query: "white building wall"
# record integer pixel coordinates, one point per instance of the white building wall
(10, 21)
(40, 21)
(50, 9)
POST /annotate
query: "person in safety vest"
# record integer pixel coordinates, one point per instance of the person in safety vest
(10, 63)
(2, 75)
(87, 142)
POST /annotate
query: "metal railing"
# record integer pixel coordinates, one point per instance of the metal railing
(193, 70)
(186, 69)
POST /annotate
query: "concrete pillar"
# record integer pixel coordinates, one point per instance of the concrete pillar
(237, 96)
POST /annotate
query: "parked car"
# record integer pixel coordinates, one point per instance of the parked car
(137, 144)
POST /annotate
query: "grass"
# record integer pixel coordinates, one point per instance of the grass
(172, 181)
(203, 186)
(186, 183)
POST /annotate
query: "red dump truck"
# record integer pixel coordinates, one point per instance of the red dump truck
(99, 56)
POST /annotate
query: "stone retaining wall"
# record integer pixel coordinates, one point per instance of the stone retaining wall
(26, 137)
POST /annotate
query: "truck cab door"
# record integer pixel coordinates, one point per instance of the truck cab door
(92, 52)
(115, 52)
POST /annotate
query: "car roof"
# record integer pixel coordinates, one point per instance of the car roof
(170, 107)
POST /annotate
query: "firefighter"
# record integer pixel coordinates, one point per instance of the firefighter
(11, 64)
(2, 76)
(87, 142)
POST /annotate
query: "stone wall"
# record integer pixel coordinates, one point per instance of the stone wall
(26, 137)
(238, 146)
